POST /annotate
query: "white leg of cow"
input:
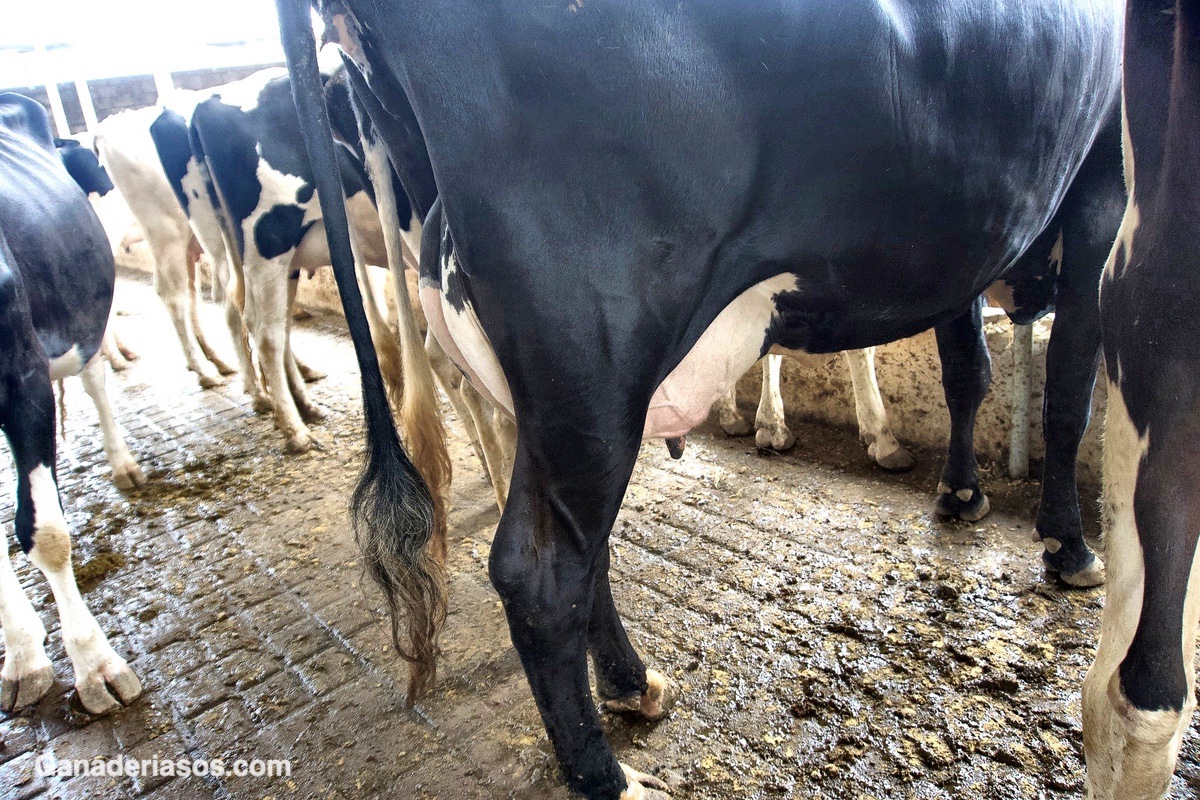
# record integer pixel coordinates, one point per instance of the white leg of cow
(732, 420)
(771, 430)
(102, 678)
(125, 470)
(309, 411)
(1131, 751)
(235, 320)
(309, 374)
(111, 349)
(452, 380)
(267, 319)
(194, 315)
(171, 281)
(873, 428)
(27, 674)
(483, 420)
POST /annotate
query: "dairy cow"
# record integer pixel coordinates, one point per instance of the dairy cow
(56, 287)
(629, 204)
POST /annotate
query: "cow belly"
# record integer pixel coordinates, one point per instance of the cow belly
(723, 353)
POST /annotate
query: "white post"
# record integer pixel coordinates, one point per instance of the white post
(164, 83)
(1022, 388)
(85, 102)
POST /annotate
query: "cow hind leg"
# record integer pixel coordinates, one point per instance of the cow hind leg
(452, 382)
(545, 563)
(966, 375)
(1139, 695)
(623, 683)
(732, 420)
(873, 429)
(102, 678)
(771, 430)
(222, 366)
(268, 309)
(173, 286)
(125, 470)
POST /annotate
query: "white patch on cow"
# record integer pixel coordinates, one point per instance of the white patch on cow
(873, 428)
(730, 345)
(1056, 254)
(1130, 752)
(464, 340)
(1133, 214)
(68, 364)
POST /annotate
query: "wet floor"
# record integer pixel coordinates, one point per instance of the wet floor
(830, 639)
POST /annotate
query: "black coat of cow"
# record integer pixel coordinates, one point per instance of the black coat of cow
(611, 177)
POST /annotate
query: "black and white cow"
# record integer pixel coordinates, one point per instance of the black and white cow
(1139, 696)
(124, 142)
(637, 201)
(56, 287)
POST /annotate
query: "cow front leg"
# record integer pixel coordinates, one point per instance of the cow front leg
(873, 429)
(27, 674)
(545, 559)
(172, 283)
(1139, 695)
(771, 430)
(125, 470)
(966, 375)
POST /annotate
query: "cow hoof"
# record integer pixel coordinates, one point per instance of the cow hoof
(312, 413)
(734, 424)
(969, 505)
(1082, 570)
(774, 437)
(896, 460)
(262, 404)
(210, 381)
(640, 786)
(127, 475)
(309, 374)
(653, 705)
(108, 687)
(222, 367)
(26, 690)
(300, 443)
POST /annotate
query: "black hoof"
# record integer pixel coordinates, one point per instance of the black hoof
(1073, 563)
(965, 504)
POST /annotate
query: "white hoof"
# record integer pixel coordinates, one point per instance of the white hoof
(641, 786)
(300, 443)
(108, 687)
(210, 381)
(654, 704)
(127, 474)
(775, 437)
(889, 455)
(733, 423)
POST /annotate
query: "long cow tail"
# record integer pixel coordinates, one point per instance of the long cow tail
(392, 509)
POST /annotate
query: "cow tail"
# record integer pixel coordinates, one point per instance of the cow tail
(392, 509)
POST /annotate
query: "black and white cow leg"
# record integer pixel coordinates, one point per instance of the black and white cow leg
(770, 428)
(125, 470)
(1139, 695)
(873, 429)
(102, 678)
(1071, 360)
(730, 417)
(556, 510)
(623, 683)
(966, 375)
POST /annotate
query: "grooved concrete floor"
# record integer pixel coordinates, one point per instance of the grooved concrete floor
(831, 640)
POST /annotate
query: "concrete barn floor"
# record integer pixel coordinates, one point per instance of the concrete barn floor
(830, 639)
